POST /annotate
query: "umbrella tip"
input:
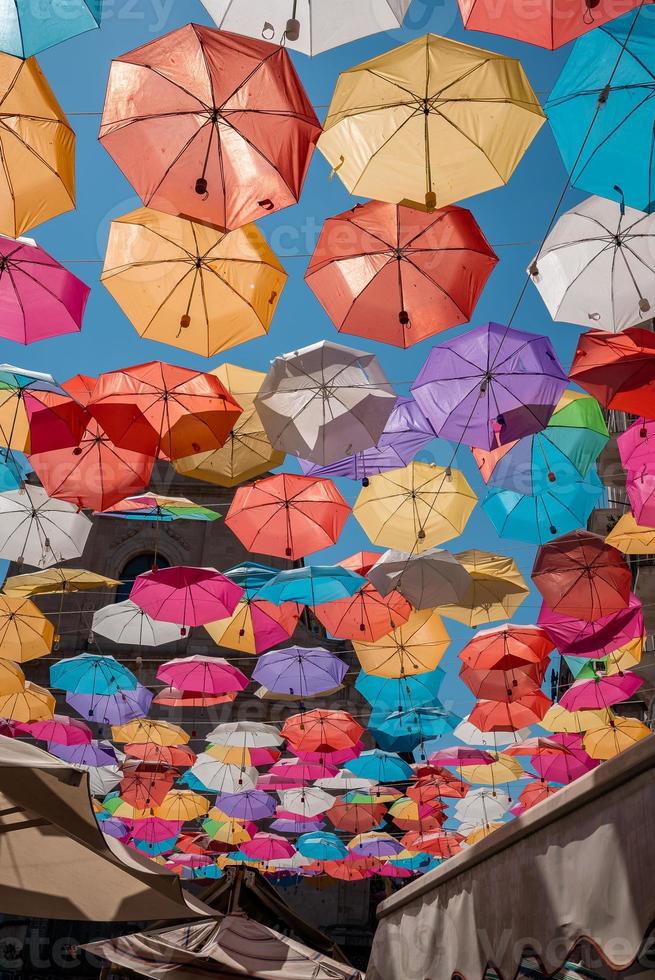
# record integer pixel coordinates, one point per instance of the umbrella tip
(292, 32)
(202, 187)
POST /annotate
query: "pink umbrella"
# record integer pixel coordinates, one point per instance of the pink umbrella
(564, 768)
(60, 730)
(206, 675)
(307, 771)
(579, 638)
(336, 758)
(268, 847)
(600, 692)
(183, 594)
(637, 445)
(640, 487)
(395, 871)
(153, 829)
(190, 860)
(39, 298)
(461, 755)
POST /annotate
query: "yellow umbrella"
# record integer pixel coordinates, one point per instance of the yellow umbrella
(504, 770)
(25, 633)
(617, 736)
(481, 832)
(558, 719)
(32, 703)
(416, 647)
(55, 580)
(144, 731)
(190, 285)
(430, 122)
(415, 508)
(247, 452)
(234, 755)
(626, 657)
(632, 538)
(218, 826)
(496, 592)
(37, 145)
(12, 678)
(119, 807)
(182, 805)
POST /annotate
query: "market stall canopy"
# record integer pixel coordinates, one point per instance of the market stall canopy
(57, 864)
(441, 927)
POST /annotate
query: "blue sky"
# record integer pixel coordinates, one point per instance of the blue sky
(518, 213)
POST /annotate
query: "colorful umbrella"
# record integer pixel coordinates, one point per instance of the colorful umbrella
(208, 675)
(248, 734)
(268, 847)
(12, 678)
(631, 539)
(416, 647)
(383, 767)
(180, 806)
(502, 716)
(31, 703)
(60, 730)
(600, 692)
(321, 846)
(25, 633)
(507, 648)
(39, 530)
(617, 370)
(182, 594)
(597, 638)
(305, 801)
(427, 580)
(28, 30)
(155, 507)
(535, 793)
(247, 452)
(312, 585)
(490, 386)
(324, 402)
(564, 767)
(36, 414)
(618, 735)
(640, 488)
(403, 731)
(366, 615)
(124, 622)
(494, 684)
(255, 626)
(319, 730)
(635, 446)
(91, 673)
(222, 777)
(558, 719)
(288, 515)
(418, 507)
(112, 709)
(53, 581)
(251, 804)
(599, 107)
(189, 114)
(399, 693)
(299, 670)
(497, 589)
(146, 731)
(410, 100)
(393, 274)
(356, 818)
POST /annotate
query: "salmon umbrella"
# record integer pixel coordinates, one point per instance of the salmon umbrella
(415, 508)
(618, 369)
(38, 149)
(494, 684)
(159, 408)
(321, 731)
(393, 274)
(366, 615)
(460, 117)
(549, 24)
(40, 298)
(631, 538)
(191, 286)
(503, 716)
(146, 784)
(37, 414)
(356, 818)
(210, 126)
(583, 576)
(171, 697)
(536, 792)
(168, 755)
(440, 843)
(288, 515)
(416, 647)
(324, 402)
(32, 703)
(186, 595)
(247, 452)
(25, 633)
(507, 647)
(497, 589)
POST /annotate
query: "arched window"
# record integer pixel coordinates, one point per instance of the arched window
(136, 566)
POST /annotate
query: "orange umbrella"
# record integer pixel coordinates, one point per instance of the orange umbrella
(499, 716)
(506, 648)
(287, 515)
(440, 843)
(159, 408)
(321, 731)
(366, 615)
(356, 818)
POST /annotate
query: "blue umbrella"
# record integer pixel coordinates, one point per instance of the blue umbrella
(417, 862)
(321, 846)
(602, 110)
(545, 515)
(251, 577)
(399, 693)
(27, 27)
(384, 767)
(91, 673)
(191, 781)
(208, 871)
(153, 848)
(403, 731)
(312, 585)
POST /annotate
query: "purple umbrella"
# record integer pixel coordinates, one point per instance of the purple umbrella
(252, 804)
(113, 827)
(490, 386)
(112, 709)
(90, 754)
(405, 434)
(284, 825)
(299, 670)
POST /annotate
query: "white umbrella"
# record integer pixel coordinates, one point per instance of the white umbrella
(427, 580)
(309, 26)
(222, 777)
(307, 801)
(325, 402)
(484, 804)
(245, 734)
(470, 735)
(124, 622)
(597, 266)
(39, 530)
(345, 782)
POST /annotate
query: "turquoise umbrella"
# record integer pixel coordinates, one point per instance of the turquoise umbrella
(321, 846)
(399, 693)
(312, 585)
(30, 26)
(383, 767)
(91, 673)
(403, 731)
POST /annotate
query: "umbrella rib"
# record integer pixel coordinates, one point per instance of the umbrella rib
(10, 132)
(415, 114)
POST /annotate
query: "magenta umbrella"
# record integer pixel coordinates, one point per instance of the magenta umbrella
(184, 594)
(461, 755)
(594, 640)
(268, 847)
(206, 675)
(600, 692)
(60, 730)
(637, 444)
(564, 768)
(640, 487)
(39, 298)
(153, 829)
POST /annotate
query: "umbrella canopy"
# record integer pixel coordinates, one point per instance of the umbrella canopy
(324, 402)
(40, 298)
(321, 846)
(600, 692)
(112, 709)
(393, 274)
(460, 117)
(31, 704)
(507, 648)
(611, 68)
(251, 804)
(428, 580)
(617, 370)
(356, 818)
(153, 507)
(321, 731)
(416, 647)
(597, 638)
(38, 148)
(313, 585)
(12, 678)
(494, 684)
(420, 506)
(402, 731)
(208, 675)
(222, 777)
(401, 693)
(503, 716)
(583, 576)
(596, 268)
(125, 622)
(189, 285)
(28, 30)
(53, 581)
(614, 737)
(640, 487)
(36, 414)
(247, 452)
(255, 626)
(490, 386)
(142, 731)
(309, 27)
(497, 589)
(25, 633)
(39, 530)
(630, 538)
(191, 596)
(299, 670)
(268, 847)
(366, 615)
(288, 515)
(248, 734)
(91, 673)
(185, 136)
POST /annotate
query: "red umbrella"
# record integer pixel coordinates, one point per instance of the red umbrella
(501, 716)
(506, 648)
(504, 685)
(210, 126)
(166, 755)
(94, 474)
(319, 730)
(580, 575)
(618, 369)
(437, 784)
(535, 793)
(366, 615)
(353, 868)
(288, 516)
(159, 408)
(549, 23)
(356, 818)
(394, 274)
(146, 784)
(172, 698)
(440, 843)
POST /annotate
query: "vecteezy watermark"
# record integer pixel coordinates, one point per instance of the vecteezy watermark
(26, 948)
(155, 14)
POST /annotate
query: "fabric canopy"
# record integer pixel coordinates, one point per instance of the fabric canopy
(56, 863)
(576, 868)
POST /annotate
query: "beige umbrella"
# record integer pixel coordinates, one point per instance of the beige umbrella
(496, 592)
(632, 538)
(416, 647)
(52, 581)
